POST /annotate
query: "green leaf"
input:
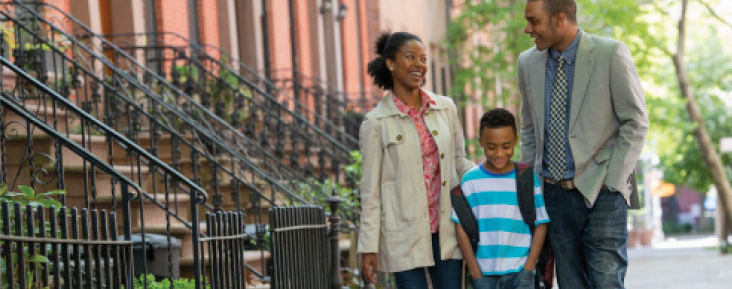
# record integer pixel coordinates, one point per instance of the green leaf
(27, 191)
(38, 259)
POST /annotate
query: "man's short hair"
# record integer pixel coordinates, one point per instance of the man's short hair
(497, 118)
(568, 7)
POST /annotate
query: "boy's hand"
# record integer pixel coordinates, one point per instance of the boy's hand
(468, 254)
(529, 267)
(368, 266)
(537, 241)
(475, 272)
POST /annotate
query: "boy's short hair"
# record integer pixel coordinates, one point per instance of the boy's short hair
(497, 117)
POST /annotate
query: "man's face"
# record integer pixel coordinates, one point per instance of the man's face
(498, 144)
(539, 25)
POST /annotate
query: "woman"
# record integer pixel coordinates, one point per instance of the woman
(413, 153)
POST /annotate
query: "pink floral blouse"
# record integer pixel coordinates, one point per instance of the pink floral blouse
(430, 156)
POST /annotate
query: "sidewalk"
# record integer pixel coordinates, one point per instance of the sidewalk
(686, 262)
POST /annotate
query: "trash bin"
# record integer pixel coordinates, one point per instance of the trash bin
(156, 248)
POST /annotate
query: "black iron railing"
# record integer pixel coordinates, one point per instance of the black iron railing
(302, 127)
(106, 99)
(75, 80)
(287, 147)
(39, 111)
(305, 247)
(54, 241)
(314, 100)
(339, 103)
(151, 110)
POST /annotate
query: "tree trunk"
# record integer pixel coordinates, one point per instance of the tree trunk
(711, 158)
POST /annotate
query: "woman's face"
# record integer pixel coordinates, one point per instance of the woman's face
(409, 66)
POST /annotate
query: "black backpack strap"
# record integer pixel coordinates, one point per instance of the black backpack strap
(465, 215)
(525, 193)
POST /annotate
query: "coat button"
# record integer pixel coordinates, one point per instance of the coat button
(434, 132)
(443, 210)
(399, 137)
(442, 155)
(444, 183)
(427, 112)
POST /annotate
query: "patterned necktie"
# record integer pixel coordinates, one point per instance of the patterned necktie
(557, 123)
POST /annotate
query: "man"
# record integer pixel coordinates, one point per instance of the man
(583, 124)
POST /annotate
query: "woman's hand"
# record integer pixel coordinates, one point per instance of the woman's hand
(368, 266)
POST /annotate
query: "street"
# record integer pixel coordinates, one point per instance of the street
(680, 262)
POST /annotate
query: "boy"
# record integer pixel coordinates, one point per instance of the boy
(507, 253)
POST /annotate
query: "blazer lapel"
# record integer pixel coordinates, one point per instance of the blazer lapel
(538, 79)
(582, 73)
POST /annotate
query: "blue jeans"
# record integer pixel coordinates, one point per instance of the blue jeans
(445, 274)
(520, 280)
(590, 244)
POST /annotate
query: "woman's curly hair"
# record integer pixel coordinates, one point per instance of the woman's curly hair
(387, 45)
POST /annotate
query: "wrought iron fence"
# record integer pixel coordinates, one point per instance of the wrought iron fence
(60, 248)
(41, 154)
(61, 89)
(113, 94)
(305, 250)
(139, 92)
(225, 246)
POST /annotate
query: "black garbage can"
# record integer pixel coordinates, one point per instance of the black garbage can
(156, 255)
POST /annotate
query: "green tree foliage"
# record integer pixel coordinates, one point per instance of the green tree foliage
(487, 36)
(648, 28)
(710, 71)
(486, 39)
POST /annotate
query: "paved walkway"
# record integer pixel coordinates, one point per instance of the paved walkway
(687, 262)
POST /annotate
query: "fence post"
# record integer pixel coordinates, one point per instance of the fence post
(335, 264)
(195, 201)
(129, 269)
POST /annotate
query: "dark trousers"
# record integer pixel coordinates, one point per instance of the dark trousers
(590, 244)
(445, 274)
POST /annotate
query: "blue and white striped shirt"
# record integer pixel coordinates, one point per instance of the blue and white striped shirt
(505, 239)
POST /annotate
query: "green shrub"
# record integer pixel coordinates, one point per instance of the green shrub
(181, 283)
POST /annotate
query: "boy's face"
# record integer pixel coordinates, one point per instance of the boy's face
(498, 144)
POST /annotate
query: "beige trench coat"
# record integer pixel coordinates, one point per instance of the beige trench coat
(395, 219)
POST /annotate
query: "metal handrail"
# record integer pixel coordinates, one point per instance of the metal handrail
(177, 90)
(247, 82)
(153, 95)
(208, 133)
(87, 117)
(172, 132)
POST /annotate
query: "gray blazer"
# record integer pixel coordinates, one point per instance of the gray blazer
(607, 122)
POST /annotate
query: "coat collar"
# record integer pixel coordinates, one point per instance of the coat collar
(582, 72)
(387, 108)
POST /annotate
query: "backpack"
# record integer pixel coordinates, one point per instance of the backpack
(525, 193)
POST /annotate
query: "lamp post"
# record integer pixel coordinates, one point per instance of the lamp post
(725, 145)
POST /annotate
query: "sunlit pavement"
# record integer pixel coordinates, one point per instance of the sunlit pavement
(681, 262)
